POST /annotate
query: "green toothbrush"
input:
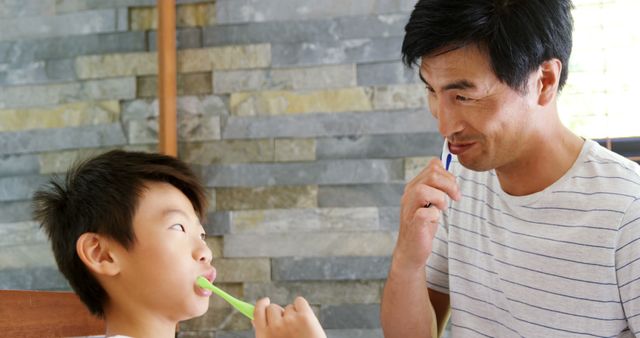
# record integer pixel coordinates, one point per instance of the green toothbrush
(244, 307)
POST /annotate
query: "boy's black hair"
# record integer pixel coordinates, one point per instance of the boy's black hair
(518, 35)
(101, 195)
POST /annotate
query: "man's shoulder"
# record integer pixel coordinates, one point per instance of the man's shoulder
(603, 161)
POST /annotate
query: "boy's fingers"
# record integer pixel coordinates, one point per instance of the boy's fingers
(274, 315)
(259, 313)
(301, 304)
(289, 310)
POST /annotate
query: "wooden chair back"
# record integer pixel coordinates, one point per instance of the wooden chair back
(46, 314)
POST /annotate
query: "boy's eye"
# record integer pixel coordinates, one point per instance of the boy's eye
(203, 236)
(179, 227)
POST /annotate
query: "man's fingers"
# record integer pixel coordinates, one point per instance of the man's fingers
(434, 175)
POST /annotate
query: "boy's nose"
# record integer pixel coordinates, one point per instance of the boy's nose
(203, 254)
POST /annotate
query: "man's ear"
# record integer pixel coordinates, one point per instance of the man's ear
(548, 81)
(97, 253)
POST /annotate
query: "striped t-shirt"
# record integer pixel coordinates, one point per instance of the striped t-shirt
(563, 262)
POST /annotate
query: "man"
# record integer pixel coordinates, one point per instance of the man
(533, 231)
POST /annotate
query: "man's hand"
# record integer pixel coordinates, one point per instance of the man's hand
(418, 223)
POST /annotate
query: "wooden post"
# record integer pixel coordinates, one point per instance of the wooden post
(168, 131)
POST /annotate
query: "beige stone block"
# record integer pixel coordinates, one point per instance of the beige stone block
(294, 150)
(211, 198)
(215, 243)
(115, 65)
(187, 84)
(325, 293)
(232, 270)
(228, 151)
(283, 197)
(286, 102)
(414, 165)
(399, 97)
(61, 161)
(187, 15)
(228, 57)
(67, 115)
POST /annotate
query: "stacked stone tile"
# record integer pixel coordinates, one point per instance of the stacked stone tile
(298, 115)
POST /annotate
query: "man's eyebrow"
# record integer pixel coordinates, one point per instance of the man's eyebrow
(460, 84)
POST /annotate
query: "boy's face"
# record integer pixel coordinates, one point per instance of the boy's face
(159, 271)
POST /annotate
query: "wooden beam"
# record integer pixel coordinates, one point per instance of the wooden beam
(168, 131)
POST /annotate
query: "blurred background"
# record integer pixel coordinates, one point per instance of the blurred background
(298, 115)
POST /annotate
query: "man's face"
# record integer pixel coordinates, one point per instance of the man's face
(485, 121)
(169, 253)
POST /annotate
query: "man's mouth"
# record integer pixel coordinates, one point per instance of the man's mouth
(459, 148)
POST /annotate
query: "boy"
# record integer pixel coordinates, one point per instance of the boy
(125, 231)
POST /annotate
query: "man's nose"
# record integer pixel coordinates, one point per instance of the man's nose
(449, 121)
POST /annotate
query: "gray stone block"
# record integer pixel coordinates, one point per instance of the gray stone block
(25, 51)
(39, 72)
(235, 11)
(345, 51)
(330, 268)
(64, 6)
(345, 316)
(52, 94)
(325, 292)
(11, 165)
(378, 26)
(122, 19)
(386, 73)
(310, 244)
(380, 146)
(20, 188)
(235, 334)
(44, 278)
(26, 8)
(42, 140)
(326, 125)
(331, 333)
(360, 195)
(270, 32)
(60, 70)
(355, 333)
(89, 22)
(16, 211)
(218, 223)
(389, 218)
(185, 38)
(319, 172)
(275, 221)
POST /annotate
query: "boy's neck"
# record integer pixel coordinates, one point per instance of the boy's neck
(138, 325)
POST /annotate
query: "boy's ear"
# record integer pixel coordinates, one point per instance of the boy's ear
(549, 81)
(96, 252)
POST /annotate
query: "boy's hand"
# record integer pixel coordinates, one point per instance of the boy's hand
(296, 320)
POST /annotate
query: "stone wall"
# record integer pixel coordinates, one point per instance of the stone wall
(298, 114)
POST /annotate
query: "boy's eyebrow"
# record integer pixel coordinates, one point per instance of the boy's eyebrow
(177, 211)
(460, 84)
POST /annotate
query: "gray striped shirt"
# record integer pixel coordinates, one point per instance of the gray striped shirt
(563, 262)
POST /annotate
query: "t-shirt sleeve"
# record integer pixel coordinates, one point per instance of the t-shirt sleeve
(437, 268)
(628, 265)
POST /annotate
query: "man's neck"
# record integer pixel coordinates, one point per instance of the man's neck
(546, 161)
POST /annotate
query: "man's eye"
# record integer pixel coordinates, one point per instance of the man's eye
(462, 98)
(179, 227)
